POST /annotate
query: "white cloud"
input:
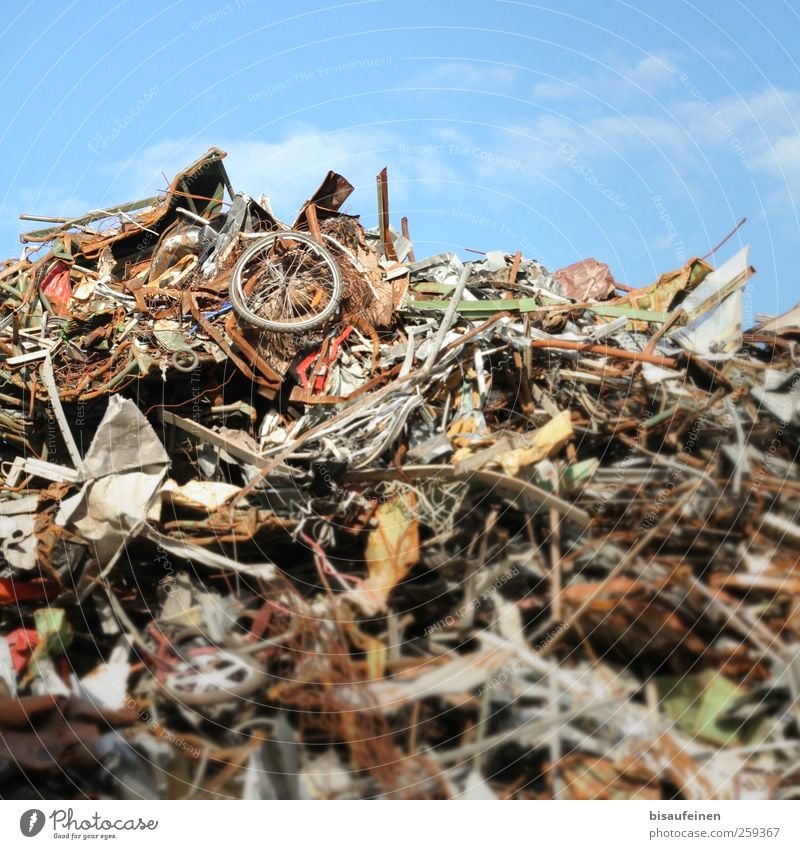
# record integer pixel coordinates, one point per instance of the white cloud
(611, 80)
(290, 169)
(760, 130)
(654, 69)
(480, 76)
(782, 159)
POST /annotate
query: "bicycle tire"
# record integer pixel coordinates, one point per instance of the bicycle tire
(239, 301)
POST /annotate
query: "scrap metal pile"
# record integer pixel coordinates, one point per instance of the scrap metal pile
(289, 513)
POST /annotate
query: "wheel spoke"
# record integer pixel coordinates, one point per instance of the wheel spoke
(292, 280)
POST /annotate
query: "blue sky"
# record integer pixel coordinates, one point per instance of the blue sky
(638, 133)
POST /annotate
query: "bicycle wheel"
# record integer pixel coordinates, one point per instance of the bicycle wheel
(286, 282)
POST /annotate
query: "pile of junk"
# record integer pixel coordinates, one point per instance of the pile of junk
(287, 512)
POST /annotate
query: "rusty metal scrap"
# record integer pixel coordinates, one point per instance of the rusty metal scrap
(288, 513)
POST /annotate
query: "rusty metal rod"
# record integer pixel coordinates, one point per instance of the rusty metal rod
(606, 351)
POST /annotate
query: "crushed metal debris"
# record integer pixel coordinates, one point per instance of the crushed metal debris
(289, 513)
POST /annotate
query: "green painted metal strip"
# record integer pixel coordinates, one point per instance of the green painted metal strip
(475, 307)
(630, 312)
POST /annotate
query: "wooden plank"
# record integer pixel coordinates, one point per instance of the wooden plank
(383, 215)
(514, 270)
